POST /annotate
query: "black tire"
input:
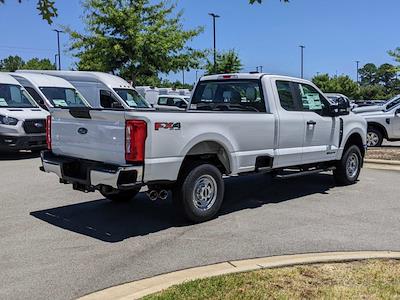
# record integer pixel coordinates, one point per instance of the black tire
(374, 137)
(120, 196)
(342, 175)
(207, 180)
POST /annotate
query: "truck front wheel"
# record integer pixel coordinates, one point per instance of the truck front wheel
(349, 167)
(200, 193)
(120, 196)
(374, 137)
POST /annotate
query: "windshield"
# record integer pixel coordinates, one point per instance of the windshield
(229, 95)
(15, 96)
(63, 97)
(132, 98)
(393, 102)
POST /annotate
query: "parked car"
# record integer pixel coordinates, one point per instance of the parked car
(172, 102)
(50, 91)
(383, 125)
(102, 90)
(22, 122)
(236, 124)
(387, 105)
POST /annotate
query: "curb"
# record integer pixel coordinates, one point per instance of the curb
(382, 164)
(144, 287)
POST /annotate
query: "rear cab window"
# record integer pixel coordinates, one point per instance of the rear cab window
(229, 95)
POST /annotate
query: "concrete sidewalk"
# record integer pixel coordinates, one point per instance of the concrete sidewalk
(141, 288)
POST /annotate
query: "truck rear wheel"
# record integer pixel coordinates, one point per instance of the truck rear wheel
(200, 193)
(120, 196)
(349, 167)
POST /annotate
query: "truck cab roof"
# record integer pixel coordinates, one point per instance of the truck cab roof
(42, 80)
(108, 79)
(254, 75)
(6, 78)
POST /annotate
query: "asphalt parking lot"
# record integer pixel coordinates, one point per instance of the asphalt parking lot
(56, 243)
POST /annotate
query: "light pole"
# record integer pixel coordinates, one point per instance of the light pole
(215, 16)
(358, 70)
(55, 60)
(302, 60)
(58, 44)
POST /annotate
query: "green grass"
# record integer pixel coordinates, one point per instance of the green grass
(375, 279)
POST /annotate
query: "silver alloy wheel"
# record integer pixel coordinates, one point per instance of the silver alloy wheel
(352, 165)
(205, 192)
(372, 139)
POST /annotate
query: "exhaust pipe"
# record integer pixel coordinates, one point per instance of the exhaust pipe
(163, 194)
(153, 195)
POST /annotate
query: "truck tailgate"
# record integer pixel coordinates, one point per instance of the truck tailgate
(89, 134)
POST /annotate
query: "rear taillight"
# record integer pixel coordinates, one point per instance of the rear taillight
(48, 132)
(135, 139)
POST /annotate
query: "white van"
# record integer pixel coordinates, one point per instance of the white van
(50, 91)
(22, 121)
(150, 93)
(102, 90)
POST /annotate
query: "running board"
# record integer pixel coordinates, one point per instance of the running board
(304, 173)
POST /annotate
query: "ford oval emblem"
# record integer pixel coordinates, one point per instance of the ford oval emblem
(82, 130)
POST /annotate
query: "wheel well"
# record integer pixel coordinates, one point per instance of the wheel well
(379, 127)
(355, 139)
(210, 152)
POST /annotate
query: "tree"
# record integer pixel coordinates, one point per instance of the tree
(46, 9)
(228, 62)
(337, 84)
(386, 75)
(368, 74)
(134, 39)
(395, 54)
(11, 63)
(39, 64)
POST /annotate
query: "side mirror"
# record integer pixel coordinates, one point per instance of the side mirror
(342, 107)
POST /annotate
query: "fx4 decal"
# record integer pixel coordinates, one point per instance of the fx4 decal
(167, 125)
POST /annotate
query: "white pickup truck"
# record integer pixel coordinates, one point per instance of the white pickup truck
(383, 121)
(235, 124)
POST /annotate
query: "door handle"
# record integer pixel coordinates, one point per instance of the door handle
(311, 122)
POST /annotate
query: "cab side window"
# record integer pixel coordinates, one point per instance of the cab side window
(312, 100)
(162, 101)
(108, 101)
(286, 96)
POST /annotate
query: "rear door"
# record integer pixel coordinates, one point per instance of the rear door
(96, 135)
(291, 126)
(320, 130)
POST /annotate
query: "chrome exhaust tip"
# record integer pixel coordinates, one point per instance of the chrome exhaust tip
(163, 194)
(153, 195)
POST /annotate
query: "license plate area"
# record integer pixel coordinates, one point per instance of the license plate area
(76, 170)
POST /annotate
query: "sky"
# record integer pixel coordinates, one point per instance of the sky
(335, 33)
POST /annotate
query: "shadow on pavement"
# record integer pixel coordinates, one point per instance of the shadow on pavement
(115, 222)
(4, 156)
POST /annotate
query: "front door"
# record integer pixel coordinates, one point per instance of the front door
(320, 130)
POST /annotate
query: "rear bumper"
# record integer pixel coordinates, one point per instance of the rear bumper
(8, 142)
(89, 175)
